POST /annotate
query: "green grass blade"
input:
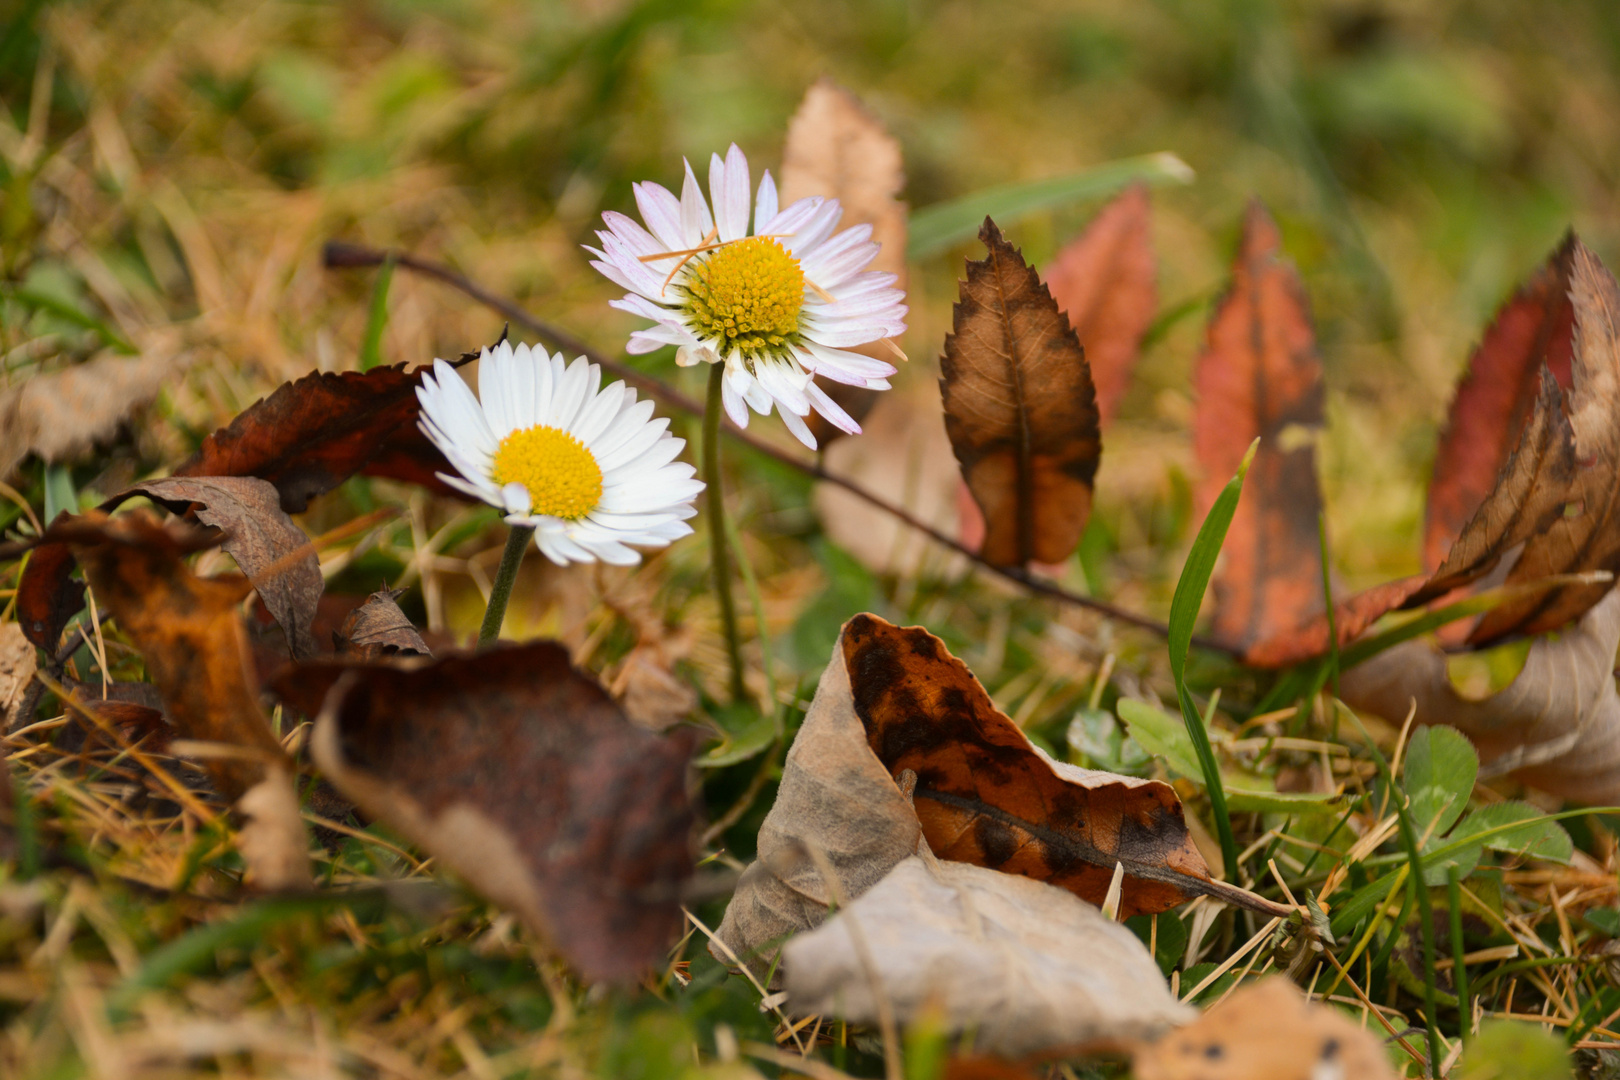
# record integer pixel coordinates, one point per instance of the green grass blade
(377, 320)
(937, 227)
(1195, 575)
(41, 301)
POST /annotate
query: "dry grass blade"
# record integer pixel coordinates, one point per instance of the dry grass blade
(1020, 409)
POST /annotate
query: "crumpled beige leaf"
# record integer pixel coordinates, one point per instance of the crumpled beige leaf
(836, 798)
(1555, 727)
(1267, 1030)
(61, 414)
(1027, 966)
(836, 148)
(18, 661)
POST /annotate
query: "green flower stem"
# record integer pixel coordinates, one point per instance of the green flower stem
(516, 543)
(719, 552)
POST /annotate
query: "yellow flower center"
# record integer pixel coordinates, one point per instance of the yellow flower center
(561, 476)
(747, 295)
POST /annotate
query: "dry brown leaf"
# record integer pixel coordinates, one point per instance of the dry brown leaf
(1020, 409)
(18, 661)
(1555, 727)
(651, 694)
(1106, 282)
(837, 149)
(984, 794)
(47, 596)
(1267, 1030)
(377, 628)
(272, 551)
(835, 798)
(1025, 966)
(63, 414)
(520, 774)
(1259, 377)
(191, 634)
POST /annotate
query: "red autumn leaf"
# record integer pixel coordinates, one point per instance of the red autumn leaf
(1259, 376)
(47, 595)
(1535, 328)
(520, 773)
(1106, 282)
(1019, 409)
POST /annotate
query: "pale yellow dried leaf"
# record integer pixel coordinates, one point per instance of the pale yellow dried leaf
(1025, 965)
(62, 414)
(273, 842)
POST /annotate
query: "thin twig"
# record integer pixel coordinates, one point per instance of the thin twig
(339, 255)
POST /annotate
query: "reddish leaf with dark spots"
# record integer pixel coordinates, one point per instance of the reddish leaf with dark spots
(47, 595)
(1259, 377)
(1020, 409)
(521, 774)
(985, 795)
(1534, 329)
(1106, 282)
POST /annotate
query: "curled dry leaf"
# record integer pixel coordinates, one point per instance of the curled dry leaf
(377, 628)
(62, 414)
(837, 149)
(835, 798)
(1259, 377)
(1556, 726)
(1106, 282)
(520, 774)
(191, 634)
(894, 700)
(1020, 409)
(47, 595)
(1266, 1030)
(272, 551)
(1026, 966)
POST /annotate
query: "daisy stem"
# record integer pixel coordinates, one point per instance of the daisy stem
(517, 542)
(719, 553)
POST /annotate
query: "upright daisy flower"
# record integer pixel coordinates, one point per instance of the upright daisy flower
(588, 469)
(775, 306)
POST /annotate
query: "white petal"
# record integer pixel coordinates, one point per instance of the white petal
(759, 398)
(841, 365)
(598, 413)
(798, 427)
(516, 498)
(794, 217)
(733, 401)
(459, 415)
(808, 237)
(830, 409)
(765, 203)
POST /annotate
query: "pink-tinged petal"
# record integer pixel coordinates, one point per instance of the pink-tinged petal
(861, 284)
(765, 203)
(883, 304)
(798, 428)
(695, 219)
(728, 188)
(662, 213)
(839, 364)
(644, 278)
(846, 333)
(634, 237)
(806, 239)
(619, 277)
(795, 217)
(832, 264)
(636, 304)
(831, 411)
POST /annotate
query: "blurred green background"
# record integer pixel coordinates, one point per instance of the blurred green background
(1422, 156)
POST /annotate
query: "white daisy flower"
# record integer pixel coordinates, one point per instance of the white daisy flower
(775, 306)
(589, 469)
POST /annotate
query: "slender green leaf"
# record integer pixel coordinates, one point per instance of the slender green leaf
(377, 320)
(937, 227)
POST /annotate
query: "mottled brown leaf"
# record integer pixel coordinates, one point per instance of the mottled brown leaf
(18, 662)
(272, 551)
(192, 636)
(377, 629)
(1533, 330)
(520, 774)
(1020, 409)
(1267, 1030)
(972, 950)
(1106, 282)
(838, 149)
(1259, 377)
(985, 795)
(60, 415)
